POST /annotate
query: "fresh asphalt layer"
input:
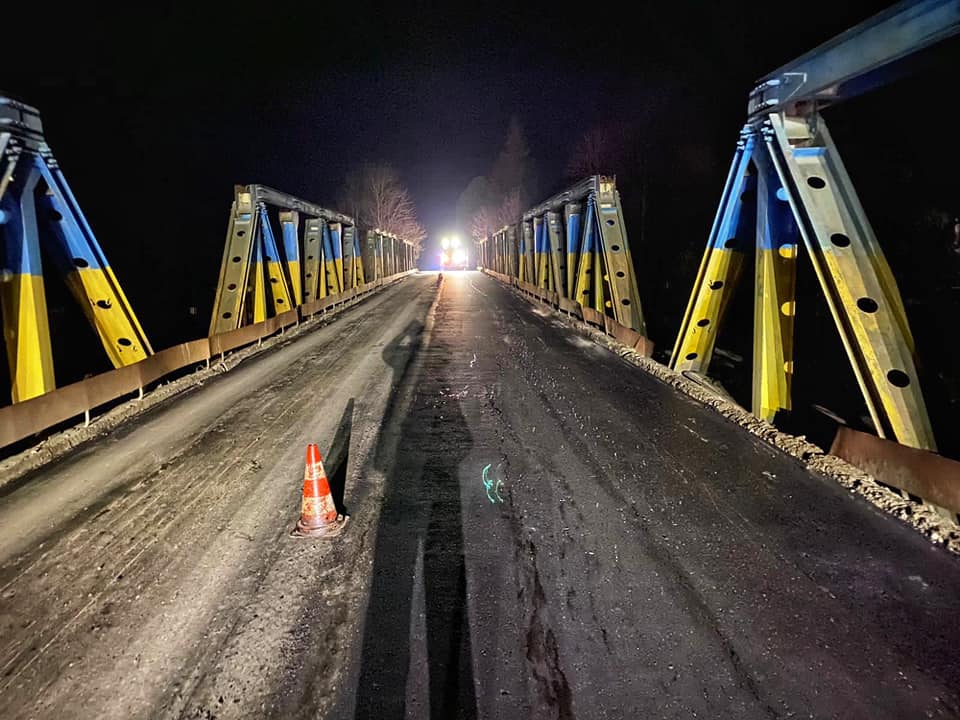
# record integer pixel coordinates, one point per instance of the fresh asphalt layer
(538, 530)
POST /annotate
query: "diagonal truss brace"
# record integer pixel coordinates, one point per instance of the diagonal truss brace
(798, 164)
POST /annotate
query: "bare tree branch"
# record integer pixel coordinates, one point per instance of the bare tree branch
(377, 199)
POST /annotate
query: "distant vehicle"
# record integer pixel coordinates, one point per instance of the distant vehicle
(453, 260)
(453, 257)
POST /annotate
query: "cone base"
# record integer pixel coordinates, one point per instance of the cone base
(327, 530)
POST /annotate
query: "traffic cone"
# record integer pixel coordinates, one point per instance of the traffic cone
(318, 514)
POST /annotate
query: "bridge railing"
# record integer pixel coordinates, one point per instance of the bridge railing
(787, 190)
(38, 210)
(320, 256)
(264, 287)
(572, 250)
(78, 400)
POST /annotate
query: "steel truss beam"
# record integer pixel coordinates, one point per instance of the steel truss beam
(787, 159)
(258, 279)
(38, 210)
(860, 59)
(788, 182)
(583, 257)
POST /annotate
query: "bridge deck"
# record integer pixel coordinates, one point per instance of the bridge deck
(648, 558)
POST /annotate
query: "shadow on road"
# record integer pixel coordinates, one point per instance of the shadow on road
(338, 458)
(421, 515)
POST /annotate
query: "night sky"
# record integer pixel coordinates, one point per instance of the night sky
(155, 113)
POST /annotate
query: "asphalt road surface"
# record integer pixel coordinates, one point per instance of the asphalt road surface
(538, 530)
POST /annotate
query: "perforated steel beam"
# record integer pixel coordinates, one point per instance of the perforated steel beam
(314, 285)
(619, 276)
(38, 208)
(290, 231)
(856, 280)
(722, 262)
(859, 59)
(775, 294)
(235, 268)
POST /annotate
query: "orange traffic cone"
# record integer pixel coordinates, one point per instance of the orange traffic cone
(318, 514)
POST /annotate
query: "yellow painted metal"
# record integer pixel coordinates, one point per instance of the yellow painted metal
(542, 257)
(347, 249)
(257, 289)
(775, 297)
(855, 278)
(291, 219)
(558, 258)
(313, 285)
(334, 271)
(279, 292)
(27, 335)
(509, 260)
(708, 304)
(589, 292)
(619, 275)
(720, 268)
(106, 307)
(572, 257)
(230, 299)
(528, 271)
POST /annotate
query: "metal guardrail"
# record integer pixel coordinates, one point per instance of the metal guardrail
(23, 419)
(623, 334)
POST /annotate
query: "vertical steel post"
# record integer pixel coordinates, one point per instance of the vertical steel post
(279, 292)
(721, 265)
(314, 286)
(775, 294)
(572, 215)
(290, 229)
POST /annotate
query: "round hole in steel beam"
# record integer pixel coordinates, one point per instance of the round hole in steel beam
(730, 244)
(309, 275)
(235, 258)
(867, 305)
(615, 248)
(309, 257)
(55, 216)
(104, 304)
(703, 322)
(716, 285)
(898, 378)
(625, 301)
(279, 301)
(840, 240)
(124, 341)
(274, 281)
(691, 356)
(80, 262)
(816, 182)
(232, 286)
(621, 273)
(611, 223)
(227, 315)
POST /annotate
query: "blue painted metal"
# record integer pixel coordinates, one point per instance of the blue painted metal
(270, 250)
(291, 243)
(727, 222)
(573, 233)
(19, 229)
